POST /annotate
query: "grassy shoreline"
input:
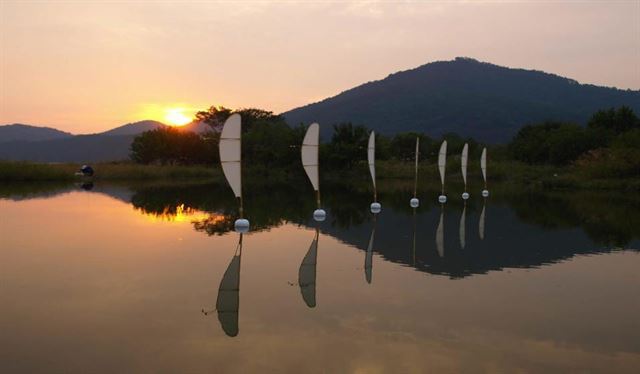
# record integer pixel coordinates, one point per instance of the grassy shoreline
(500, 172)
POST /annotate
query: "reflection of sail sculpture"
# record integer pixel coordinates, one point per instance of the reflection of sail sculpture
(483, 166)
(414, 202)
(309, 154)
(463, 164)
(442, 165)
(228, 303)
(481, 221)
(231, 160)
(440, 234)
(413, 247)
(371, 158)
(368, 259)
(307, 273)
(463, 224)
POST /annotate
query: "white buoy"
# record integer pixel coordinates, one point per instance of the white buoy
(465, 195)
(485, 193)
(414, 202)
(242, 225)
(442, 199)
(319, 215)
(376, 208)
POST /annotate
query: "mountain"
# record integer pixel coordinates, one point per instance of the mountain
(485, 101)
(20, 132)
(33, 144)
(134, 128)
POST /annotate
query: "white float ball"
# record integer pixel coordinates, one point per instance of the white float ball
(485, 193)
(376, 208)
(442, 199)
(465, 195)
(414, 202)
(319, 215)
(242, 225)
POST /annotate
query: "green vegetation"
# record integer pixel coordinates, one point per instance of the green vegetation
(605, 154)
(26, 172)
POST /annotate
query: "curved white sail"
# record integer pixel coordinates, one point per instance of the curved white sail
(309, 154)
(307, 273)
(463, 163)
(442, 160)
(440, 235)
(371, 157)
(463, 223)
(415, 186)
(483, 164)
(230, 152)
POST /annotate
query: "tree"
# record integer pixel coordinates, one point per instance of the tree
(174, 146)
(348, 145)
(609, 123)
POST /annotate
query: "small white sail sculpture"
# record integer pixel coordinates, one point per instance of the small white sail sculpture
(463, 163)
(442, 164)
(483, 166)
(231, 160)
(371, 157)
(414, 202)
(309, 154)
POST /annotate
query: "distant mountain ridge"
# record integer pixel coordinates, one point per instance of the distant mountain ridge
(472, 98)
(18, 131)
(44, 144)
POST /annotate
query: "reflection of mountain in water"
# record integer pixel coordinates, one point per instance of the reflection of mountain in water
(521, 230)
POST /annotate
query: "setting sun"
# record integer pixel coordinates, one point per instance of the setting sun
(176, 117)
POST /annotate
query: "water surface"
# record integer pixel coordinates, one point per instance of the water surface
(115, 278)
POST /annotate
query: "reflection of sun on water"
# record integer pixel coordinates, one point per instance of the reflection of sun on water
(178, 214)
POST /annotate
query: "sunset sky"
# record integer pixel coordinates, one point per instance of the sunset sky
(88, 67)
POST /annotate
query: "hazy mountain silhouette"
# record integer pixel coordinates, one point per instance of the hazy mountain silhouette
(134, 128)
(44, 144)
(472, 98)
(20, 132)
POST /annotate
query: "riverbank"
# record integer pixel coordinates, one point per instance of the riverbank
(507, 173)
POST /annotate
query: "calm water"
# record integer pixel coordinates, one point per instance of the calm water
(116, 279)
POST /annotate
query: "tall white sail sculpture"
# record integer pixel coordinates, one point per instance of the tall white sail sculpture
(463, 164)
(483, 166)
(414, 202)
(371, 158)
(310, 162)
(231, 159)
(442, 165)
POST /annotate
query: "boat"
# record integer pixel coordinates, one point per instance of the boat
(231, 161)
(483, 166)
(463, 165)
(414, 202)
(442, 164)
(371, 157)
(310, 162)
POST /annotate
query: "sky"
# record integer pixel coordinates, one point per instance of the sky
(86, 67)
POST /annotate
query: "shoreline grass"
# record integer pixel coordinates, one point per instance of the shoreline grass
(500, 172)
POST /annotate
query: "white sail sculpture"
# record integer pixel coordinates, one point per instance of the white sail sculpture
(371, 157)
(414, 202)
(231, 160)
(463, 164)
(442, 164)
(309, 154)
(483, 166)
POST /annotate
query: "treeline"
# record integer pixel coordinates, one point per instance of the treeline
(611, 137)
